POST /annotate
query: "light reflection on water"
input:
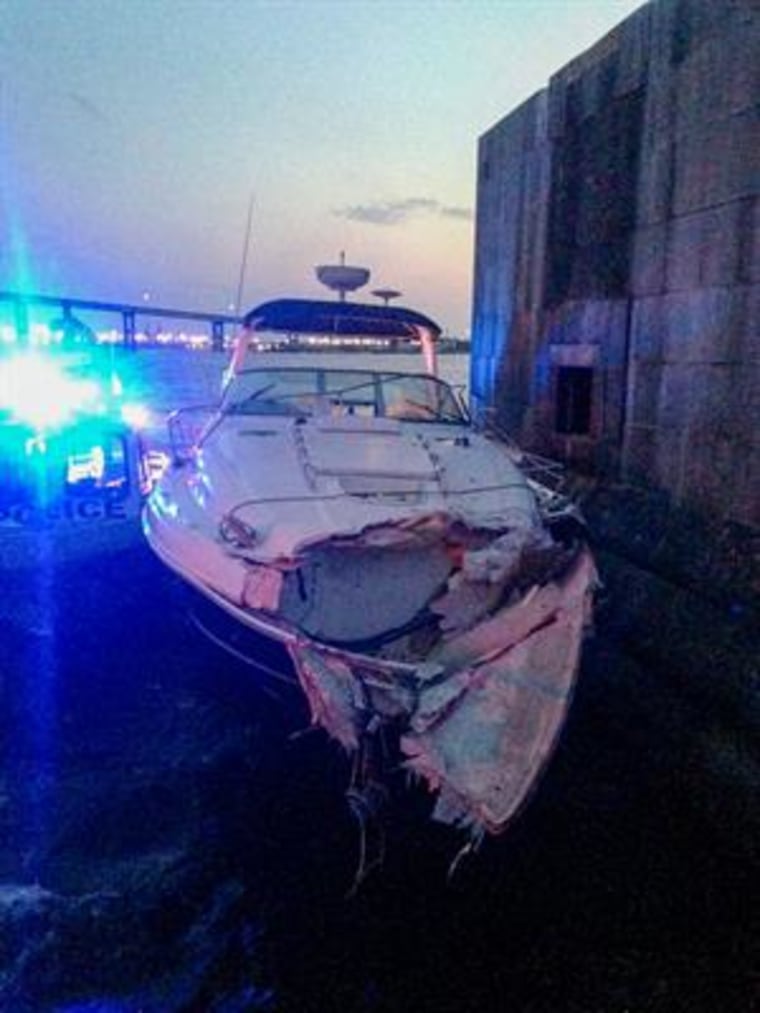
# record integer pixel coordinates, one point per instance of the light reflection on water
(39, 733)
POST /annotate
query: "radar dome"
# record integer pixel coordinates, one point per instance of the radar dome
(386, 294)
(342, 278)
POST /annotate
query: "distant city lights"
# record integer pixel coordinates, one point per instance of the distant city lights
(42, 335)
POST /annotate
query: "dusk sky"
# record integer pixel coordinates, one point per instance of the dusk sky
(133, 133)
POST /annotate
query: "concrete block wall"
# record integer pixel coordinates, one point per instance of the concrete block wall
(618, 227)
(693, 419)
(513, 163)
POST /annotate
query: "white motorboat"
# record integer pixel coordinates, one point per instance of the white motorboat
(418, 575)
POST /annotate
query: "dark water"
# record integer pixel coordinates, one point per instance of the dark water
(172, 837)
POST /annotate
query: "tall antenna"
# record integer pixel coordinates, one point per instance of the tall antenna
(244, 258)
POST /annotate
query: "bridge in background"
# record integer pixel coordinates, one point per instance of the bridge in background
(129, 314)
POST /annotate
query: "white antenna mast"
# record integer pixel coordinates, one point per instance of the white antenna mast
(244, 258)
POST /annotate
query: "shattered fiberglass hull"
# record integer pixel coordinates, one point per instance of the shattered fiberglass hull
(481, 716)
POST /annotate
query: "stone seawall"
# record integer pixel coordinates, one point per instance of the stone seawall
(617, 260)
(680, 599)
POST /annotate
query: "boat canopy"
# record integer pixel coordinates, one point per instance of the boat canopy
(311, 316)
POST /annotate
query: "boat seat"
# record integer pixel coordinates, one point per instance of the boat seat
(407, 411)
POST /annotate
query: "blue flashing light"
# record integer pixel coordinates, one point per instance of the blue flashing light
(37, 392)
(134, 415)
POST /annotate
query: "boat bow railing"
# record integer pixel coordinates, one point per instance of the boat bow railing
(546, 477)
(187, 428)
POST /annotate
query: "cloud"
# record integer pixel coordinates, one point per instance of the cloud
(453, 212)
(397, 212)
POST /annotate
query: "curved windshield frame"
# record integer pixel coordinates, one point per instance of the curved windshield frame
(335, 393)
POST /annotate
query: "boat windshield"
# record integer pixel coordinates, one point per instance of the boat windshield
(339, 392)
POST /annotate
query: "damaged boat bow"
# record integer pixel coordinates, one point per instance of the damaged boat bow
(419, 577)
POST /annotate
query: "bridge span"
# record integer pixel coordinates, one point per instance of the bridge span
(128, 312)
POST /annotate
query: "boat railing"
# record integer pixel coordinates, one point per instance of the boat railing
(548, 472)
(546, 476)
(187, 426)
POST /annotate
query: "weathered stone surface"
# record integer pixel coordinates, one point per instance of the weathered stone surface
(717, 161)
(672, 625)
(640, 451)
(654, 201)
(646, 335)
(720, 77)
(644, 396)
(715, 559)
(512, 201)
(689, 430)
(707, 325)
(633, 55)
(750, 249)
(650, 243)
(590, 322)
(706, 248)
(654, 143)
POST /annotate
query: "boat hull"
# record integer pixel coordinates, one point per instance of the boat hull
(477, 720)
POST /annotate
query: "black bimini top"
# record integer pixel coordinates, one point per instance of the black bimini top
(314, 316)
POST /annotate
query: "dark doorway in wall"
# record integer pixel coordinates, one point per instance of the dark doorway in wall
(575, 386)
